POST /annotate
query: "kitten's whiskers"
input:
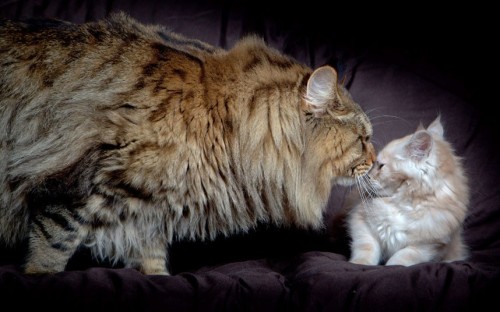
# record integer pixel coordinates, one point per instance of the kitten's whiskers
(365, 188)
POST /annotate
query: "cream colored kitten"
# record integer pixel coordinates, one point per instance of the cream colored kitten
(414, 203)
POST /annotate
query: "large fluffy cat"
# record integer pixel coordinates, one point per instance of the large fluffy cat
(420, 202)
(124, 137)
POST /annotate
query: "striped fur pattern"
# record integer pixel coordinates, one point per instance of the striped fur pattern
(420, 198)
(124, 137)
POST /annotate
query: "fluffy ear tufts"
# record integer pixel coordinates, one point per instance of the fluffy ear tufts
(420, 145)
(436, 127)
(321, 90)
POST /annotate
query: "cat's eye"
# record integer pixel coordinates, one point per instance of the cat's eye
(379, 165)
(364, 138)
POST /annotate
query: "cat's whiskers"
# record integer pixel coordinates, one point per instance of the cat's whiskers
(385, 116)
(381, 122)
(369, 111)
(389, 119)
(371, 186)
(360, 187)
(366, 189)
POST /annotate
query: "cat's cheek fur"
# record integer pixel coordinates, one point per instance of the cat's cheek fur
(344, 181)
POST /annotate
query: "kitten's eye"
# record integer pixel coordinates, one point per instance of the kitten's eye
(380, 165)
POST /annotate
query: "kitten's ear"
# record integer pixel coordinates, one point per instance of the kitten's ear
(420, 145)
(321, 90)
(436, 127)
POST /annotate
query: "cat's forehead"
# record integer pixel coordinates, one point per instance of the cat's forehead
(362, 122)
(366, 126)
(393, 147)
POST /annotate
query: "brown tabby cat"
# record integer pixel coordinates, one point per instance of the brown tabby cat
(123, 137)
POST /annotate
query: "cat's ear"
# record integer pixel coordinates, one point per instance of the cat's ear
(436, 127)
(321, 90)
(420, 127)
(420, 145)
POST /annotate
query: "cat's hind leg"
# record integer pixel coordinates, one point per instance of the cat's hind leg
(456, 250)
(54, 237)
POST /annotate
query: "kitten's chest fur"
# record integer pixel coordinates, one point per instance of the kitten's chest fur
(391, 223)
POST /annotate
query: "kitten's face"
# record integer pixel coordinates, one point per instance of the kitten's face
(408, 160)
(389, 171)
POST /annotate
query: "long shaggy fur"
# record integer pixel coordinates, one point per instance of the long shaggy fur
(124, 137)
(416, 204)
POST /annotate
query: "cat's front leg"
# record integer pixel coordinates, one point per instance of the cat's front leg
(365, 251)
(365, 248)
(152, 259)
(54, 237)
(411, 255)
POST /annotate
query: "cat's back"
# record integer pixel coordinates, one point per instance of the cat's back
(63, 83)
(118, 28)
(55, 74)
(110, 55)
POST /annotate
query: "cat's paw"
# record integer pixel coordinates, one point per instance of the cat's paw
(155, 266)
(153, 271)
(363, 261)
(397, 263)
(402, 262)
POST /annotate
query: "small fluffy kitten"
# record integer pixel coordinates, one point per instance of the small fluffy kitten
(413, 204)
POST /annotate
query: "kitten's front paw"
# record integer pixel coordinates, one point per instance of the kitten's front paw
(363, 261)
(399, 262)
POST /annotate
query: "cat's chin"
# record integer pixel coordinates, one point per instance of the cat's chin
(344, 181)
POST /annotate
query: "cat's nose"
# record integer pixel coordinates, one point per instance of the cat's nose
(372, 154)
